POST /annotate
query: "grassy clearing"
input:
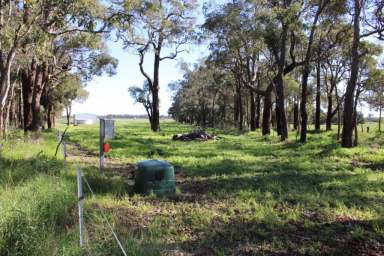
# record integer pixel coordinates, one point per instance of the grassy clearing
(35, 199)
(242, 195)
(239, 195)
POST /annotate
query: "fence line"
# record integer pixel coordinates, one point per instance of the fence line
(80, 196)
(105, 218)
(81, 200)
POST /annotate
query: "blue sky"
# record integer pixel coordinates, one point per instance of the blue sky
(109, 95)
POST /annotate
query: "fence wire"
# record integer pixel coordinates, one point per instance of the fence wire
(101, 210)
(105, 217)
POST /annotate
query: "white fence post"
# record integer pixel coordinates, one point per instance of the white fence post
(101, 142)
(80, 196)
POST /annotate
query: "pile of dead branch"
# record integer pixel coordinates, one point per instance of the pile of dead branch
(195, 135)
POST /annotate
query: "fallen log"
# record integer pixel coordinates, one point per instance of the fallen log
(195, 135)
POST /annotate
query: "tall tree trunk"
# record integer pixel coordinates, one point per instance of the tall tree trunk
(278, 120)
(328, 121)
(28, 82)
(155, 122)
(356, 140)
(20, 115)
(266, 122)
(306, 72)
(235, 108)
(279, 85)
(49, 116)
(13, 111)
(68, 110)
(241, 111)
(253, 111)
(338, 123)
(40, 81)
(5, 84)
(318, 97)
(238, 111)
(9, 116)
(350, 90)
(258, 109)
(295, 114)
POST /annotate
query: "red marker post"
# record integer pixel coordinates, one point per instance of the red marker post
(107, 132)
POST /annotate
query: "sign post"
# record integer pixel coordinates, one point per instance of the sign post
(107, 132)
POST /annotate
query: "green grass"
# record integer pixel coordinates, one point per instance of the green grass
(239, 195)
(36, 199)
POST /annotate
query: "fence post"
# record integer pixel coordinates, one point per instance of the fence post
(80, 196)
(101, 142)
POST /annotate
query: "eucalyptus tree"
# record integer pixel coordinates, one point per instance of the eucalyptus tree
(61, 97)
(32, 30)
(162, 27)
(16, 23)
(202, 96)
(367, 18)
(236, 41)
(330, 51)
(333, 65)
(224, 26)
(282, 28)
(66, 40)
(314, 9)
(142, 95)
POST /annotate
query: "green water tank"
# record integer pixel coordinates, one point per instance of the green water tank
(155, 176)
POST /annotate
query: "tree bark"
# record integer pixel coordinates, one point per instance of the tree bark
(49, 116)
(295, 115)
(40, 81)
(338, 123)
(5, 84)
(328, 121)
(279, 85)
(306, 72)
(278, 120)
(350, 90)
(241, 111)
(258, 109)
(318, 97)
(155, 122)
(28, 82)
(252, 111)
(68, 112)
(266, 122)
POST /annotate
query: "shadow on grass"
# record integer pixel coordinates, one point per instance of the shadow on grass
(239, 237)
(290, 188)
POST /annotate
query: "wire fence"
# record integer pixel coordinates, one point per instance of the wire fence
(83, 234)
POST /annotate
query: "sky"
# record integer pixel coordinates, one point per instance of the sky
(109, 95)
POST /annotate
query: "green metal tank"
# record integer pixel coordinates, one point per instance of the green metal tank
(155, 176)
